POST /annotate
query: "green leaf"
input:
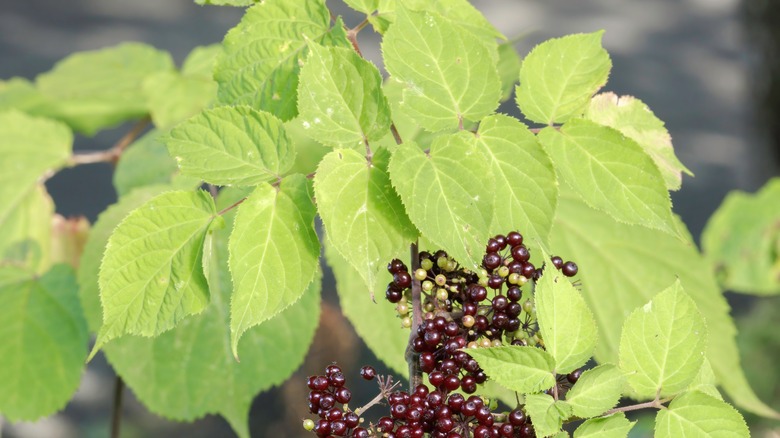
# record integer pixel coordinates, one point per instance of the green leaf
(634, 119)
(146, 162)
(364, 6)
(26, 238)
(406, 126)
(238, 3)
(20, 94)
(101, 88)
(695, 414)
(526, 190)
(273, 253)
(232, 145)
(308, 152)
(705, 381)
(361, 212)
(201, 61)
(613, 426)
(742, 240)
(662, 344)
(610, 172)
(449, 75)
(31, 148)
(597, 391)
(559, 76)
(44, 342)
(508, 69)
(376, 323)
(521, 369)
(623, 266)
(89, 264)
(263, 54)
(566, 323)
(460, 13)
(446, 194)
(340, 98)
(546, 413)
(173, 97)
(194, 358)
(151, 275)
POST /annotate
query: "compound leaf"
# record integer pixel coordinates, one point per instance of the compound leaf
(273, 253)
(526, 190)
(362, 214)
(521, 369)
(597, 390)
(695, 414)
(613, 426)
(232, 145)
(566, 323)
(100, 88)
(263, 54)
(44, 342)
(742, 241)
(610, 172)
(634, 119)
(559, 76)
(194, 358)
(623, 266)
(151, 276)
(446, 194)
(340, 98)
(449, 75)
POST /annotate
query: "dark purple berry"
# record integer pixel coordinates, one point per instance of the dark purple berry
(395, 265)
(569, 269)
(573, 376)
(520, 253)
(517, 417)
(557, 262)
(491, 261)
(493, 246)
(402, 279)
(368, 372)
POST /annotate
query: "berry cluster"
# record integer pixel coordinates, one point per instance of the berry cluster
(462, 310)
(327, 394)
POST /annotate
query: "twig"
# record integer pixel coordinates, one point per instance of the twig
(658, 404)
(415, 373)
(116, 415)
(111, 155)
(385, 387)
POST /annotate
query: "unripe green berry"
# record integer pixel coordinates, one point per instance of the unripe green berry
(442, 294)
(441, 280)
(503, 271)
(406, 322)
(426, 264)
(451, 265)
(522, 280)
(472, 344)
(484, 342)
(496, 343)
(528, 306)
(468, 321)
(427, 285)
(514, 278)
(441, 262)
(308, 424)
(402, 309)
(420, 274)
(428, 307)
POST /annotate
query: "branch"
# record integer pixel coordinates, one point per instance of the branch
(111, 155)
(415, 373)
(116, 414)
(658, 404)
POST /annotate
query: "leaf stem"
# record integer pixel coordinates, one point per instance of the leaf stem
(113, 154)
(231, 206)
(116, 414)
(658, 404)
(415, 373)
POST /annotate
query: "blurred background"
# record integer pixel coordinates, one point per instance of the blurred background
(709, 68)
